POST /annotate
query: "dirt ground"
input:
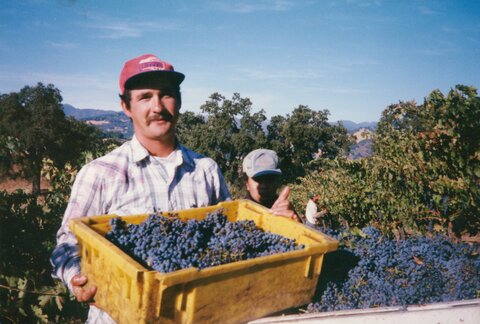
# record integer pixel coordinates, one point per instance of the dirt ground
(10, 185)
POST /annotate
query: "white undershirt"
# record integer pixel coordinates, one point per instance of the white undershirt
(170, 163)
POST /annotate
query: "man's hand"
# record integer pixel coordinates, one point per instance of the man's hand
(283, 207)
(80, 291)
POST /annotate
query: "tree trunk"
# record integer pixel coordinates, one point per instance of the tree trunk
(36, 178)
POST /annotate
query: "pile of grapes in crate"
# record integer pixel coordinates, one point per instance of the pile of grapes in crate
(166, 244)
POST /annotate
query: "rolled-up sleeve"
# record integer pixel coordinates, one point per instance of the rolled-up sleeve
(85, 200)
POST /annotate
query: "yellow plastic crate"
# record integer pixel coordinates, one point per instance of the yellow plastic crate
(230, 293)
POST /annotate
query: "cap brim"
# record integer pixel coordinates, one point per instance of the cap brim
(267, 172)
(155, 79)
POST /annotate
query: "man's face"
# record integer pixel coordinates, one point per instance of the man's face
(154, 113)
(263, 189)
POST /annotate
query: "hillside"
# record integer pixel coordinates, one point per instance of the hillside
(112, 123)
(81, 114)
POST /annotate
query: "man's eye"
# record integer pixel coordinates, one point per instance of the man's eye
(146, 96)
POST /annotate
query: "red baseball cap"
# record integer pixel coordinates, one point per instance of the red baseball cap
(148, 69)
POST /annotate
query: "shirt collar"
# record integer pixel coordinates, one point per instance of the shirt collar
(186, 156)
(139, 152)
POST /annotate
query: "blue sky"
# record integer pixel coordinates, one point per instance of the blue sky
(351, 57)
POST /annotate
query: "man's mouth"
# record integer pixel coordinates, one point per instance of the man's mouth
(159, 118)
(153, 120)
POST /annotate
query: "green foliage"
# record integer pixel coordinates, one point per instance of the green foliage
(21, 301)
(34, 118)
(442, 138)
(9, 146)
(19, 214)
(28, 225)
(28, 293)
(228, 130)
(304, 136)
(424, 173)
(35, 136)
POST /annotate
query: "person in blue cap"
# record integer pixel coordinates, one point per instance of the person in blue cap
(263, 181)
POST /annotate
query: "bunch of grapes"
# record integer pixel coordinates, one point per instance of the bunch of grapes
(167, 244)
(386, 272)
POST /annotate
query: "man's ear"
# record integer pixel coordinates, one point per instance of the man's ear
(125, 109)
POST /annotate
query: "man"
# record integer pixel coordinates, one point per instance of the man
(263, 180)
(312, 214)
(149, 173)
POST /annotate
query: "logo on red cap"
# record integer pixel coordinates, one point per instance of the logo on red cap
(152, 63)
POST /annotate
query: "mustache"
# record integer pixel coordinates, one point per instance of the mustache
(163, 115)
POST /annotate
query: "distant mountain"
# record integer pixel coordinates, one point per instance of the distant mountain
(112, 123)
(352, 127)
(81, 114)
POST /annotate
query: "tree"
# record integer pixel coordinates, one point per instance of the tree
(188, 127)
(303, 136)
(34, 119)
(226, 132)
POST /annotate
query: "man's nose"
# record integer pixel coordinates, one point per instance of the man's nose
(157, 103)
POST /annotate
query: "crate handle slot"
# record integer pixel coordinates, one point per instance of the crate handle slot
(308, 268)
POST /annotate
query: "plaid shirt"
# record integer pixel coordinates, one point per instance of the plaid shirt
(129, 181)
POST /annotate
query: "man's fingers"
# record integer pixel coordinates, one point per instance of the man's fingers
(79, 280)
(282, 197)
(282, 206)
(284, 194)
(78, 292)
(89, 293)
(84, 294)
